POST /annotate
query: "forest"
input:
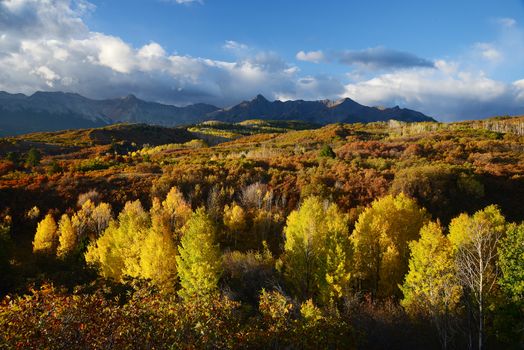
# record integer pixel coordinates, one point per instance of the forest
(264, 235)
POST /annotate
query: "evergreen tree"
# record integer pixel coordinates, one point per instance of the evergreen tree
(199, 263)
(33, 157)
(327, 151)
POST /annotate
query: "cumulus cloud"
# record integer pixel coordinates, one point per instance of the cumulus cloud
(382, 58)
(311, 56)
(443, 92)
(47, 45)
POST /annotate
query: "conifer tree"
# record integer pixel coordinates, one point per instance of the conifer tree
(199, 263)
(46, 239)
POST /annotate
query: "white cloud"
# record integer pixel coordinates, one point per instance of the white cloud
(53, 37)
(444, 93)
(47, 74)
(489, 52)
(46, 45)
(234, 45)
(507, 22)
(186, 2)
(152, 50)
(311, 56)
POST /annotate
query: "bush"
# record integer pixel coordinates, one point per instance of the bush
(327, 152)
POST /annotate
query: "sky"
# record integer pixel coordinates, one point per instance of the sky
(452, 60)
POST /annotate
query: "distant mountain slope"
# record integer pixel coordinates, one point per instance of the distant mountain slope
(320, 112)
(50, 111)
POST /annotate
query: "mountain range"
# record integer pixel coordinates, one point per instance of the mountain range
(50, 111)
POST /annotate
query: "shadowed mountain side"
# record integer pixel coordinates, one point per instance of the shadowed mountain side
(51, 111)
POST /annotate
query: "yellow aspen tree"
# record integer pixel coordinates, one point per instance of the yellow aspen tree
(380, 239)
(104, 254)
(475, 240)
(46, 239)
(199, 263)
(317, 251)
(235, 221)
(68, 237)
(176, 208)
(431, 287)
(117, 251)
(158, 260)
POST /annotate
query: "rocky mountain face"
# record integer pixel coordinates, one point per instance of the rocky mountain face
(320, 112)
(49, 111)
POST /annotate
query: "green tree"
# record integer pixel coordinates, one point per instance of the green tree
(46, 239)
(510, 315)
(327, 152)
(317, 251)
(431, 287)
(13, 157)
(380, 239)
(511, 262)
(199, 263)
(33, 157)
(475, 240)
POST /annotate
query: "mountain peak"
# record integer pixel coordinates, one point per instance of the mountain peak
(260, 98)
(130, 97)
(342, 101)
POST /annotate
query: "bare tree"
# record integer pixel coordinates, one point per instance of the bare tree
(476, 239)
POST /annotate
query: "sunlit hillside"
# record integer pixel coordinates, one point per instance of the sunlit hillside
(261, 234)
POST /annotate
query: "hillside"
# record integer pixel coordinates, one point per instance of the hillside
(109, 216)
(52, 111)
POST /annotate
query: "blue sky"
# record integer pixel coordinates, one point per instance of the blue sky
(449, 59)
